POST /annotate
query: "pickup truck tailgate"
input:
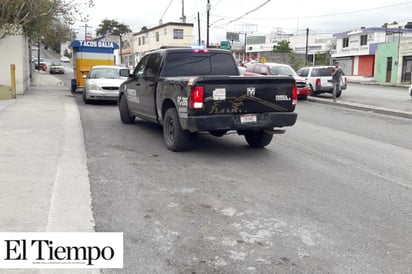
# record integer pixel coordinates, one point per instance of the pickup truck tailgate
(241, 95)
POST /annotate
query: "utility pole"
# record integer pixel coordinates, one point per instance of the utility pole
(207, 22)
(198, 28)
(306, 52)
(85, 30)
(244, 56)
(183, 18)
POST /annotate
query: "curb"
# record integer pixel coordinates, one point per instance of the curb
(363, 107)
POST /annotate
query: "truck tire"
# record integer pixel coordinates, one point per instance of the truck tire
(175, 137)
(339, 93)
(124, 112)
(258, 139)
(313, 92)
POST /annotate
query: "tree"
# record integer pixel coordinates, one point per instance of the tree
(57, 34)
(282, 47)
(35, 17)
(385, 25)
(113, 27)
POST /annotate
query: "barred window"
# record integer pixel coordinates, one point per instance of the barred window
(363, 40)
(178, 34)
(345, 42)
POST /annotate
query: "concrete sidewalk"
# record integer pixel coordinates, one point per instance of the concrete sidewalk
(44, 184)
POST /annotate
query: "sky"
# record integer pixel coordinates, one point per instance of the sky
(251, 16)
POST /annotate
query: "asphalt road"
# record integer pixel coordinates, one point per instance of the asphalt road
(332, 195)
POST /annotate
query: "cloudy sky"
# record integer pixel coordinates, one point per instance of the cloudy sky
(257, 16)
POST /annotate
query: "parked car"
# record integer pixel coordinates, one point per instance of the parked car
(279, 69)
(56, 67)
(65, 59)
(320, 79)
(35, 61)
(241, 69)
(103, 82)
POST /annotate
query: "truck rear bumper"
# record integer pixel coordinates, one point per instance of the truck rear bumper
(235, 121)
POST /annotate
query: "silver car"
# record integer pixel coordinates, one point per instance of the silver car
(56, 67)
(103, 82)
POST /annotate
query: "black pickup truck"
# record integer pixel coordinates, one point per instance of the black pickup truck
(200, 90)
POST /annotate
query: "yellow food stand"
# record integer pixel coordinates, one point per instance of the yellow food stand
(87, 54)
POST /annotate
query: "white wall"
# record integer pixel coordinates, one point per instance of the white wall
(14, 50)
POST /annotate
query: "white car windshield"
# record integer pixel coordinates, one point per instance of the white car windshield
(282, 70)
(106, 73)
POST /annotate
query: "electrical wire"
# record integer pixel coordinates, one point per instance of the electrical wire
(247, 13)
(167, 8)
(334, 14)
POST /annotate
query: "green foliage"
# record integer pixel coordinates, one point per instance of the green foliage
(113, 27)
(36, 17)
(385, 25)
(295, 62)
(67, 53)
(322, 59)
(55, 35)
(282, 47)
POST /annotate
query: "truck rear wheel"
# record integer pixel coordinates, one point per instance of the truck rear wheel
(175, 137)
(258, 139)
(124, 112)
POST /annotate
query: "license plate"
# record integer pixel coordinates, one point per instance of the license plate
(248, 118)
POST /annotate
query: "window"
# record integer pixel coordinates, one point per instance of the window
(139, 41)
(345, 42)
(138, 71)
(207, 63)
(143, 40)
(157, 37)
(303, 72)
(178, 34)
(153, 64)
(364, 40)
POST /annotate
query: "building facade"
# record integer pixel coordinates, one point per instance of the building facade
(356, 50)
(165, 35)
(15, 49)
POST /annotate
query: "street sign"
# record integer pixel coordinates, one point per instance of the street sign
(225, 45)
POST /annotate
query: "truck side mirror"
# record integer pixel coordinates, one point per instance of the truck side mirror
(124, 73)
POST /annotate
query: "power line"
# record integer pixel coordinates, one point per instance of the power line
(334, 14)
(167, 8)
(247, 13)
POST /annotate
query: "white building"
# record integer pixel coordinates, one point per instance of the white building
(313, 43)
(164, 35)
(14, 49)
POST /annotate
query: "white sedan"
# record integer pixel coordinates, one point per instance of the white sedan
(56, 67)
(103, 83)
(65, 59)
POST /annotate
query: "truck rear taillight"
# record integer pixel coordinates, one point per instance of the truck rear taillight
(197, 95)
(294, 95)
(317, 81)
